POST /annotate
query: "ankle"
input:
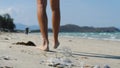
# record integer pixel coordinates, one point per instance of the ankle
(56, 44)
(45, 42)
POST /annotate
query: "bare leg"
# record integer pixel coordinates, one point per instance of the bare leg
(43, 22)
(55, 20)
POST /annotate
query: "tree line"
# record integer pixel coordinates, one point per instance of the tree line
(6, 23)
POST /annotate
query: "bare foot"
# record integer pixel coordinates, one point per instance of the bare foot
(55, 45)
(44, 47)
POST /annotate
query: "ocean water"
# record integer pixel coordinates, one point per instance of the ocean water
(115, 36)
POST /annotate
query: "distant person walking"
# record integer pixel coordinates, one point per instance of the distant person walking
(26, 30)
(43, 22)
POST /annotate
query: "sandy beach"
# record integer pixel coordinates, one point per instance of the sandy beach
(81, 52)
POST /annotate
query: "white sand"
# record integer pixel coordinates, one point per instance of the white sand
(88, 51)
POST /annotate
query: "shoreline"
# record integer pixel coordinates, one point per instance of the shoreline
(86, 36)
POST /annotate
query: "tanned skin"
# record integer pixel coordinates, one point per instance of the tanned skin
(43, 22)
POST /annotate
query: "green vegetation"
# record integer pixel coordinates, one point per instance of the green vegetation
(6, 23)
(76, 28)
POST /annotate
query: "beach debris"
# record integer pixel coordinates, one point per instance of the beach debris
(106, 66)
(53, 62)
(5, 67)
(58, 62)
(96, 66)
(60, 66)
(29, 43)
(6, 58)
(67, 63)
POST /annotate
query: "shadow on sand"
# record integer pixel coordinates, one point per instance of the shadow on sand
(73, 53)
(96, 55)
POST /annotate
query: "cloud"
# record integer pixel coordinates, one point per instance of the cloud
(21, 15)
(9, 10)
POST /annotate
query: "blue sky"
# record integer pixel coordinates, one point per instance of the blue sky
(97, 13)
